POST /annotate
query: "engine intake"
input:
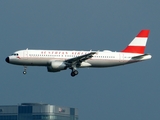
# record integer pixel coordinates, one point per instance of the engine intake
(56, 66)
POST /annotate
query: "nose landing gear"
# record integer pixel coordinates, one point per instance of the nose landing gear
(25, 70)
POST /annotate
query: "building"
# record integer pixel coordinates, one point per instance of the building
(37, 111)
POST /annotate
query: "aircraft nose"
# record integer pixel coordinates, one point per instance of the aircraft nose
(7, 59)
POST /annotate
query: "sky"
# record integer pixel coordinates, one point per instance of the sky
(130, 92)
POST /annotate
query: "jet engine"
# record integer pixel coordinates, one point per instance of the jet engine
(56, 66)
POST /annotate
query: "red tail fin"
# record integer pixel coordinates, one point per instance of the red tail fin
(138, 44)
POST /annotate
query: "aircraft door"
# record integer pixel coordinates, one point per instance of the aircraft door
(121, 57)
(25, 54)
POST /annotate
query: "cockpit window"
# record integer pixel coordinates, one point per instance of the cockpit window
(15, 54)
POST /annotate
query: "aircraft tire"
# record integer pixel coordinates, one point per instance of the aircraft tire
(24, 72)
(76, 72)
(72, 74)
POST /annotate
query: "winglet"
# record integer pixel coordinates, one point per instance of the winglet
(138, 44)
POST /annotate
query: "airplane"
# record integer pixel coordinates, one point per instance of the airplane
(57, 60)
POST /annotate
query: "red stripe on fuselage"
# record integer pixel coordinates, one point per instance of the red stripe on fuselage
(134, 49)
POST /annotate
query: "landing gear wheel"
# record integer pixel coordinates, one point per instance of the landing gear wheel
(73, 73)
(24, 72)
(76, 72)
(25, 68)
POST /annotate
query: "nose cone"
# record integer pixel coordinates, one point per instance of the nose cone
(7, 59)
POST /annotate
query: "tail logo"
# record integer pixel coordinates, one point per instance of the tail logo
(138, 44)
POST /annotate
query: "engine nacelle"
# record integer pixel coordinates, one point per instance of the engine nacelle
(56, 66)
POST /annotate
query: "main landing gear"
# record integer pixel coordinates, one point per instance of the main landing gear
(25, 70)
(74, 72)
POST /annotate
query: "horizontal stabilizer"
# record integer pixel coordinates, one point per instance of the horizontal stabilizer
(142, 57)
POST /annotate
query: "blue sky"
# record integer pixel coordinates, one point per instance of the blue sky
(124, 92)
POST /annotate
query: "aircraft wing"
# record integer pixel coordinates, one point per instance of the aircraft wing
(79, 59)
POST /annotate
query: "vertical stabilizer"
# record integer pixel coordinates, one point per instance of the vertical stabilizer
(138, 44)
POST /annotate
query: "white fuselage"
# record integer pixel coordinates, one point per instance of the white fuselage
(45, 57)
